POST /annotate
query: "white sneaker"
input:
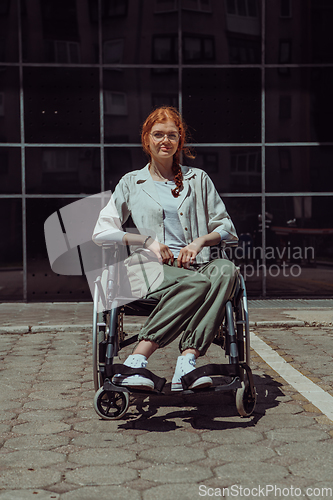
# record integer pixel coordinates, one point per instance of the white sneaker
(186, 364)
(134, 381)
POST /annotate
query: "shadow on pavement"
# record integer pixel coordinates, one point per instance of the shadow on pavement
(204, 410)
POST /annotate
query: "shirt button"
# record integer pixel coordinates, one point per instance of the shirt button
(185, 228)
(181, 213)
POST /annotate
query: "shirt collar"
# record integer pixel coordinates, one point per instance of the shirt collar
(144, 174)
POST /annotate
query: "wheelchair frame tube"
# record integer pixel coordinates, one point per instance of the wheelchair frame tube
(232, 335)
(94, 340)
(246, 319)
(112, 338)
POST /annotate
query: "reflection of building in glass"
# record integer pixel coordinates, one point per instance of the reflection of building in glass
(253, 79)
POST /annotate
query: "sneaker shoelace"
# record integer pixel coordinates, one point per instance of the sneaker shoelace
(185, 362)
(133, 364)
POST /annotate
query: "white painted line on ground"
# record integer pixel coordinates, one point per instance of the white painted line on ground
(311, 391)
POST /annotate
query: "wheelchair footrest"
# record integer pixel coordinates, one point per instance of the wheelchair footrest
(212, 369)
(127, 370)
(233, 385)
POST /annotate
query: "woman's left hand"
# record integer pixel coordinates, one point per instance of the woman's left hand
(188, 254)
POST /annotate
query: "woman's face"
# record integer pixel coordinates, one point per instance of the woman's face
(163, 140)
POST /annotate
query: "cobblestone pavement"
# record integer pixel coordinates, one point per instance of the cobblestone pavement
(54, 445)
(39, 317)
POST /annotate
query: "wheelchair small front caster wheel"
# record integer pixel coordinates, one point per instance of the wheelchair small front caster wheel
(245, 402)
(111, 405)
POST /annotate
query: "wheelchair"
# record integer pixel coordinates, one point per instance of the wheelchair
(111, 401)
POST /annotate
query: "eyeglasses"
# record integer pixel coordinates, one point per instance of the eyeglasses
(159, 136)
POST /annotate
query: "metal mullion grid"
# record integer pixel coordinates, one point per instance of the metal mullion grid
(224, 195)
(167, 66)
(101, 96)
(22, 146)
(263, 146)
(180, 59)
(137, 144)
(262, 66)
(277, 194)
(257, 144)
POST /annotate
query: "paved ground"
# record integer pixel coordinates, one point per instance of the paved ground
(38, 317)
(54, 446)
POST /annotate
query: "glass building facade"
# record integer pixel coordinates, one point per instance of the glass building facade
(254, 82)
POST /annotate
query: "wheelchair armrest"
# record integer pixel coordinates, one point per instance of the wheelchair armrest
(109, 244)
(229, 243)
(116, 246)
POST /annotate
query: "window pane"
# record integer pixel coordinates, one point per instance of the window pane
(285, 8)
(297, 169)
(285, 107)
(43, 283)
(197, 5)
(165, 5)
(252, 7)
(119, 161)
(205, 5)
(192, 48)
(148, 29)
(10, 170)
(310, 91)
(242, 163)
(309, 31)
(231, 6)
(61, 105)
(244, 214)
(63, 170)
(115, 8)
(113, 51)
(8, 31)
(301, 248)
(59, 31)
(233, 170)
(163, 49)
(11, 260)
(190, 4)
(115, 103)
(73, 50)
(222, 105)
(226, 36)
(208, 44)
(198, 49)
(59, 17)
(130, 96)
(244, 51)
(285, 52)
(241, 8)
(9, 105)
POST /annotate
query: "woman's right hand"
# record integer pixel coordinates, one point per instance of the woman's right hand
(162, 252)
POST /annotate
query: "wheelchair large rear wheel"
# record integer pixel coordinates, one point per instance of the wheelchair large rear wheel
(111, 405)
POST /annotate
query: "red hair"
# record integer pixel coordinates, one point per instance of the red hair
(160, 115)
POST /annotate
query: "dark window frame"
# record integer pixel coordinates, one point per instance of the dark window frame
(173, 59)
(202, 39)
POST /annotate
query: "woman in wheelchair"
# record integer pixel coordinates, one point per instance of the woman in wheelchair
(184, 212)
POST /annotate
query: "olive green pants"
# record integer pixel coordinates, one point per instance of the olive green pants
(191, 303)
